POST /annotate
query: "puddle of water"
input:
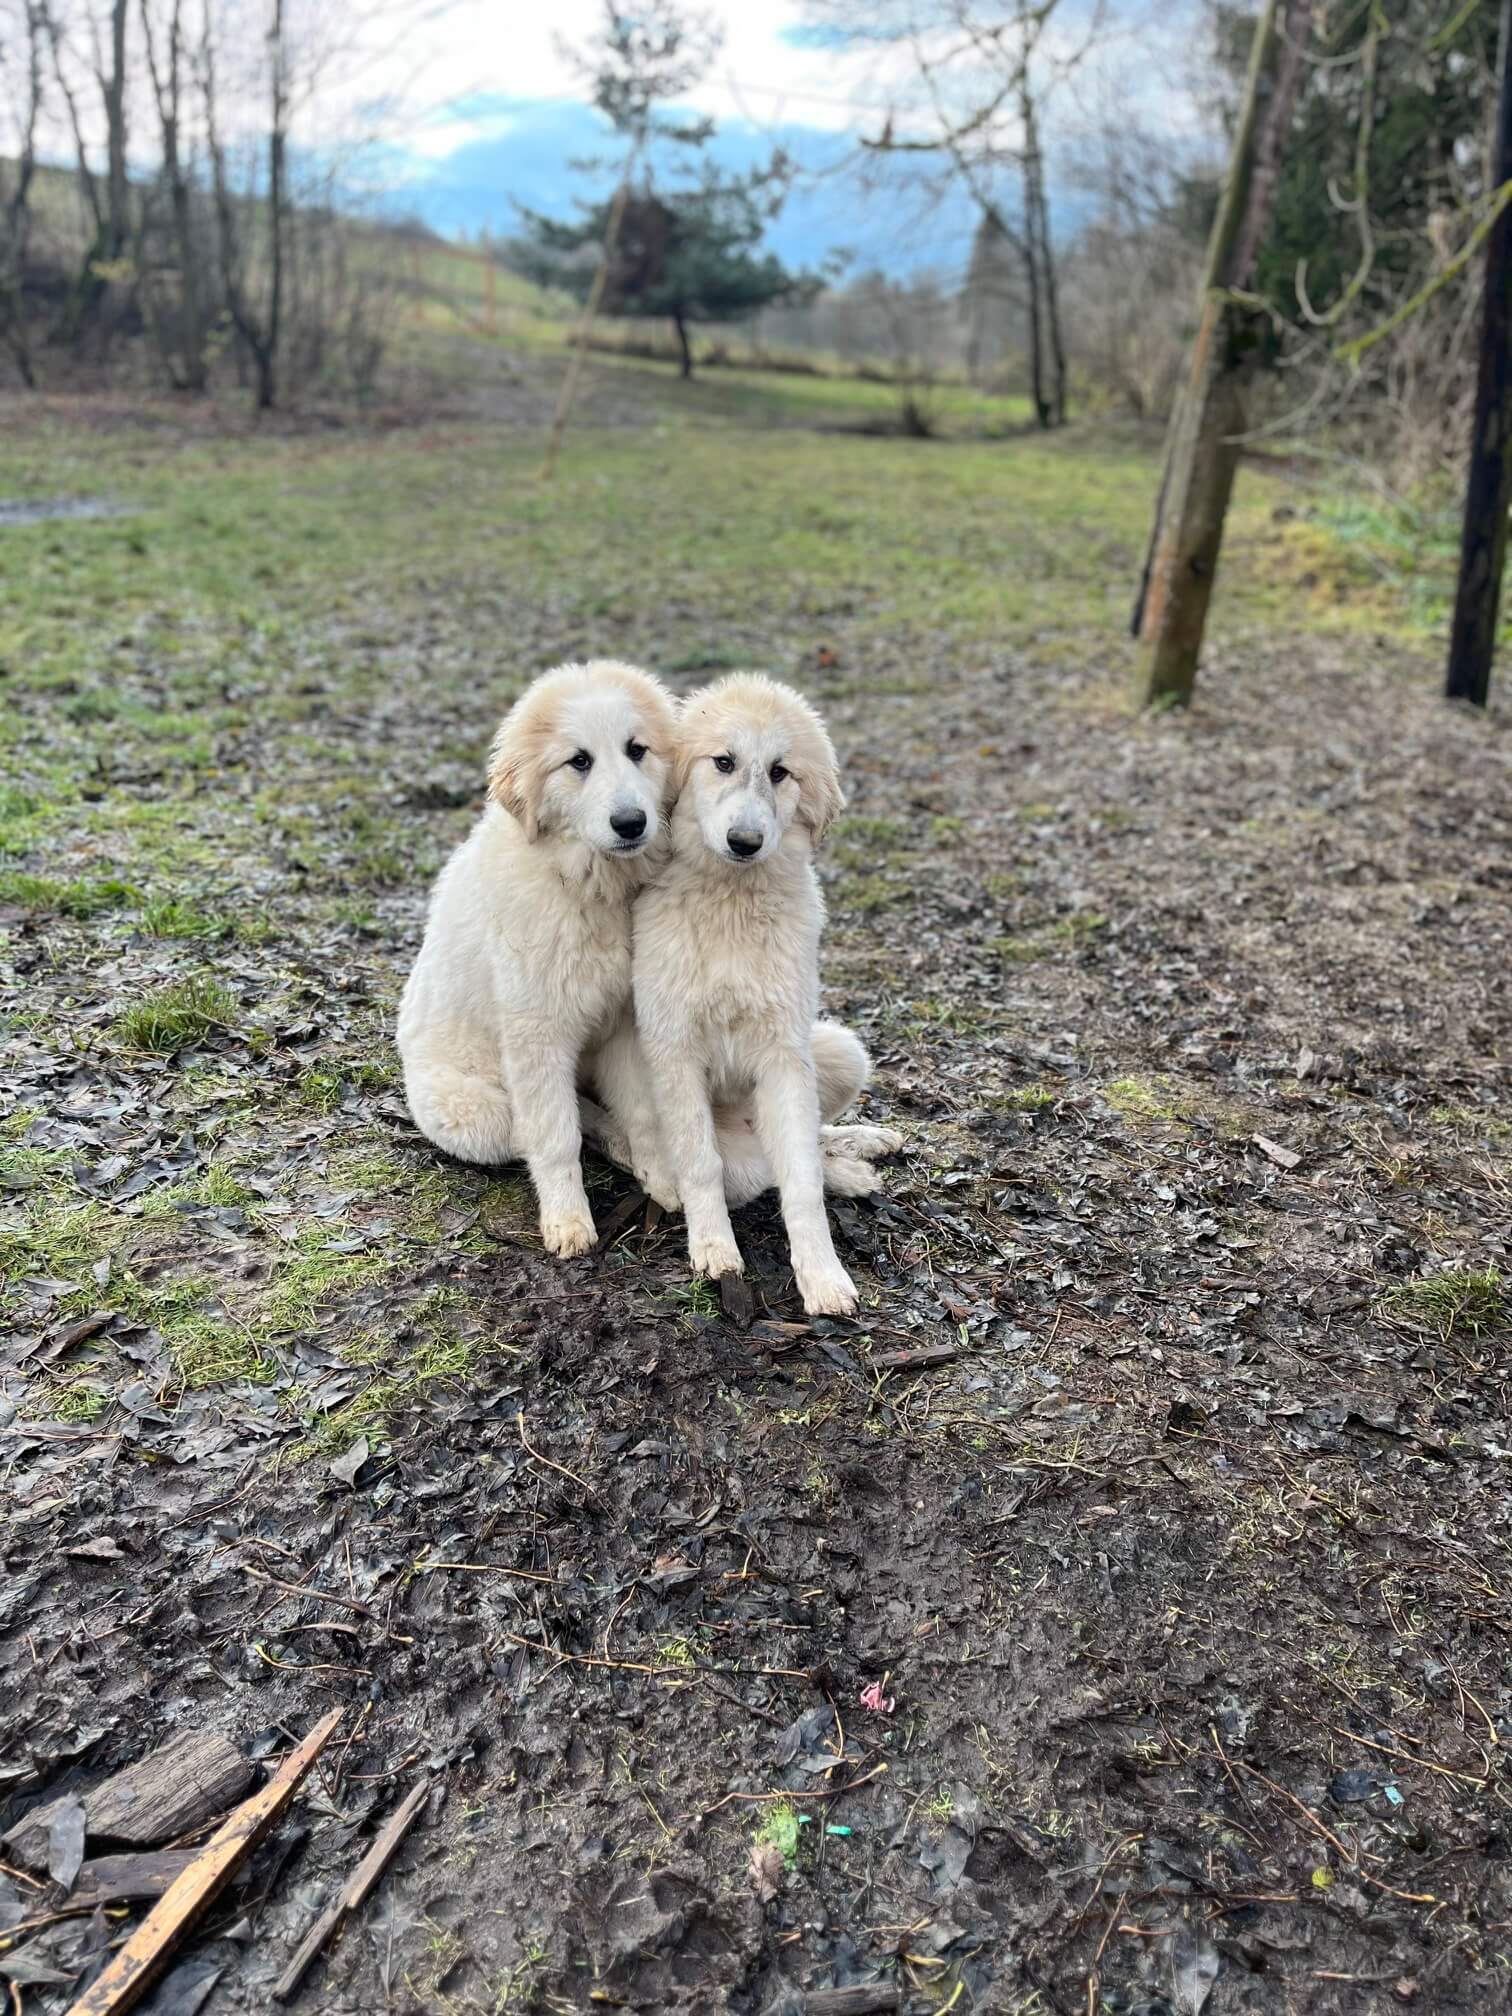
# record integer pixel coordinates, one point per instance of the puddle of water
(43, 510)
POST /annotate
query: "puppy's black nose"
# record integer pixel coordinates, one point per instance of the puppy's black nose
(743, 845)
(628, 825)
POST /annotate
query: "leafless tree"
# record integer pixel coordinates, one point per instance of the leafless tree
(173, 286)
(255, 311)
(979, 76)
(28, 25)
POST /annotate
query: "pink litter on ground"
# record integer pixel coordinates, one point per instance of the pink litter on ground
(872, 1697)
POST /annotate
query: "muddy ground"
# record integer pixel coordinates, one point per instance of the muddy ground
(1185, 1569)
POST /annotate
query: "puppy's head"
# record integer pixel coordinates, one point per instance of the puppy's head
(753, 761)
(586, 753)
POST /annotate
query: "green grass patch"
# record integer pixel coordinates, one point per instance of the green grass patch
(172, 917)
(311, 1273)
(1026, 1099)
(174, 1016)
(866, 894)
(1454, 1304)
(1016, 951)
(79, 899)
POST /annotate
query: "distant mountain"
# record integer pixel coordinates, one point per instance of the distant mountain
(871, 207)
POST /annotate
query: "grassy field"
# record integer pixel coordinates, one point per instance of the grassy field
(1198, 1032)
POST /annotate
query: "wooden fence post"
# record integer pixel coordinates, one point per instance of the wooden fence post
(1488, 490)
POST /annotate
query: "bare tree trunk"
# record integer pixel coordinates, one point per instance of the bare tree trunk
(1204, 452)
(1488, 492)
(259, 335)
(112, 219)
(1037, 229)
(267, 354)
(685, 349)
(118, 214)
(182, 339)
(1036, 319)
(17, 212)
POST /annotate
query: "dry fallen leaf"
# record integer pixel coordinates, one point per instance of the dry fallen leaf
(766, 1870)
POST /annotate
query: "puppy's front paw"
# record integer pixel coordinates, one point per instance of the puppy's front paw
(566, 1237)
(826, 1291)
(713, 1257)
(659, 1185)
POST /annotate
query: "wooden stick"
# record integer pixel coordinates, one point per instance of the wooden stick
(917, 1360)
(149, 1946)
(362, 1879)
(871, 1996)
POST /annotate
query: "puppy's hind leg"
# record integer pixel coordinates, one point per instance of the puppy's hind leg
(460, 1111)
(841, 1071)
(748, 1173)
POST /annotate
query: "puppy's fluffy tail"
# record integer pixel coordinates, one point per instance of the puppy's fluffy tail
(467, 1115)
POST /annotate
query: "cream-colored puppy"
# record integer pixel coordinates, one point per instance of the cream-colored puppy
(726, 970)
(520, 997)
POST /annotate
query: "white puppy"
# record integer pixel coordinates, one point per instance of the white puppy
(727, 984)
(521, 992)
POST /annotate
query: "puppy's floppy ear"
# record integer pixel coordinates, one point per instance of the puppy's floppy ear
(686, 742)
(663, 710)
(514, 768)
(820, 799)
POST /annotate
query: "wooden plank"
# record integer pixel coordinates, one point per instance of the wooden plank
(1284, 1158)
(180, 1786)
(134, 1967)
(357, 1886)
(115, 1879)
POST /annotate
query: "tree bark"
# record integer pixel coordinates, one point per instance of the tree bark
(685, 349)
(267, 354)
(1037, 228)
(185, 363)
(18, 215)
(1488, 490)
(118, 192)
(1032, 278)
(1198, 481)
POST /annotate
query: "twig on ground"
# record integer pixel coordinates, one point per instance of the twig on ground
(352, 1893)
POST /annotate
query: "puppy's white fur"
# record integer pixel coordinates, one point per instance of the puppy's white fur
(521, 991)
(726, 968)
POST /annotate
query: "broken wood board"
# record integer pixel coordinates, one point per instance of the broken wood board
(148, 1948)
(180, 1786)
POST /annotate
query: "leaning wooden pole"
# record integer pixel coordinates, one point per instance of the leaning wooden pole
(1203, 451)
(1488, 491)
(568, 394)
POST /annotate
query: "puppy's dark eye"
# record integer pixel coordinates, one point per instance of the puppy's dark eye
(724, 765)
(582, 762)
(635, 751)
(777, 773)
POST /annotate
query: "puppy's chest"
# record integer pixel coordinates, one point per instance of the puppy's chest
(583, 965)
(721, 963)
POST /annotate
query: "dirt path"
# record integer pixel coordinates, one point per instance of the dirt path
(1188, 1570)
